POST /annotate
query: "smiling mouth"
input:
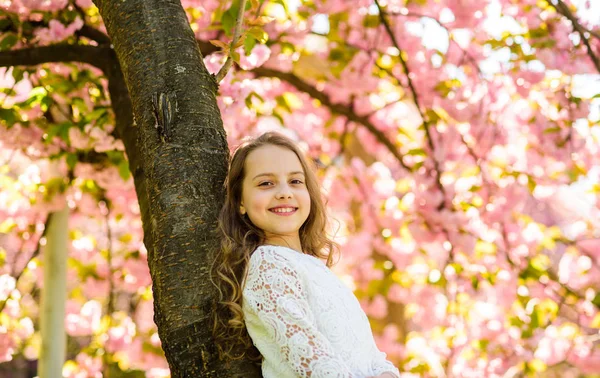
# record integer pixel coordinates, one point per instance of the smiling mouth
(284, 211)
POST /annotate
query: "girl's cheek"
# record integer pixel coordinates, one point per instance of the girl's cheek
(260, 202)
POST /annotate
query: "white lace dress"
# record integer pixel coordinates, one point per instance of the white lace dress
(305, 321)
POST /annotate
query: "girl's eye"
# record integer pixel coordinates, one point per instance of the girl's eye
(294, 181)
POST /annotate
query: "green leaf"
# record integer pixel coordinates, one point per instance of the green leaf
(54, 186)
(534, 270)
(9, 116)
(371, 21)
(8, 41)
(248, 99)
(482, 344)
(536, 318)
(417, 165)
(124, 170)
(531, 184)
(115, 157)
(445, 87)
(46, 102)
(259, 34)
(18, 74)
(84, 269)
(289, 48)
(552, 130)
(279, 117)
(527, 333)
(339, 58)
(249, 44)
(235, 56)
(7, 226)
(228, 22)
(96, 113)
(71, 160)
(60, 130)
(5, 23)
(338, 54)
(281, 101)
(417, 151)
(475, 283)
(35, 97)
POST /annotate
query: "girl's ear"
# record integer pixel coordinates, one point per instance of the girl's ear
(242, 210)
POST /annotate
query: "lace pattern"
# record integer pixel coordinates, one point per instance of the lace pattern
(304, 321)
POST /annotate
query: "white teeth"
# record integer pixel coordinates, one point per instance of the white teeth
(284, 210)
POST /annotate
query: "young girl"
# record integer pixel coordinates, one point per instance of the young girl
(275, 290)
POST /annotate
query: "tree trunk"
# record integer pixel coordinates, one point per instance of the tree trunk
(54, 296)
(178, 157)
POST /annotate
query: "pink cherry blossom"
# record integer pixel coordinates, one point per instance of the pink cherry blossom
(56, 31)
(454, 248)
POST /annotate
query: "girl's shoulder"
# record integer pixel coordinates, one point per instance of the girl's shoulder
(276, 253)
(286, 255)
(271, 258)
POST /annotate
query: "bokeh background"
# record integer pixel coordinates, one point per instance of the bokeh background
(457, 143)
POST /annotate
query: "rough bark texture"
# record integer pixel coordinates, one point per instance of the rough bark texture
(178, 167)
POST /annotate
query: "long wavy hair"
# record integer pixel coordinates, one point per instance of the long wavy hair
(239, 239)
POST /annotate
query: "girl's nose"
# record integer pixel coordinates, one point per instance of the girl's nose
(284, 192)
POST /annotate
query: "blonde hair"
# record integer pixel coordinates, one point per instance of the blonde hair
(239, 239)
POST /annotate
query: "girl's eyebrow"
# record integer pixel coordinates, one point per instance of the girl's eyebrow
(273, 174)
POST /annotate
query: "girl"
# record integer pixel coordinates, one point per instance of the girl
(275, 291)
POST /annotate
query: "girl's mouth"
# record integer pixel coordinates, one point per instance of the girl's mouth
(284, 211)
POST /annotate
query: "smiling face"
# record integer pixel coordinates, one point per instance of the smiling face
(274, 194)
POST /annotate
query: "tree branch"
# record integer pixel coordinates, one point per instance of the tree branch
(93, 34)
(341, 109)
(102, 57)
(60, 53)
(236, 35)
(564, 10)
(426, 122)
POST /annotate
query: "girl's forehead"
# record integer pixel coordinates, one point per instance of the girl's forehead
(272, 159)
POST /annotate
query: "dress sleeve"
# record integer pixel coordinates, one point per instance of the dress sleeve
(275, 293)
(381, 365)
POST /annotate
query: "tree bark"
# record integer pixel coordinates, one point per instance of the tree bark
(178, 155)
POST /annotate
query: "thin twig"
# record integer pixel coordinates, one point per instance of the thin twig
(568, 14)
(303, 86)
(236, 35)
(466, 54)
(564, 10)
(424, 118)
